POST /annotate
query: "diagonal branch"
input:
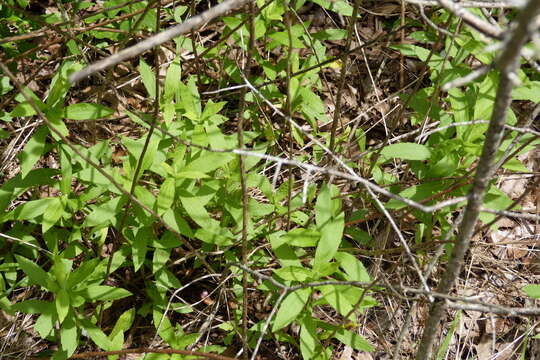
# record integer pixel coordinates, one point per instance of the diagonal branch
(190, 24)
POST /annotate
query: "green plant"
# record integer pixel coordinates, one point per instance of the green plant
(120, 229)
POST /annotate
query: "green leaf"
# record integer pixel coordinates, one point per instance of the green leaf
(290, 308)
(45, 323)
(353, 267)
(104, 293)
(310, 345)
(105, 213)
(148, 78)
(68, 335)
(190, 100)
(62, 304)
(165, 198)
(330, 222)
(123, 324)
(85, 111)
(406, 151)
(67, 171)
(29, 210)
(140, 246)
(60, 85)
(529, 91)
(301, 237)
(164, 327)
(23, 109)
(356, 341)
(54, 212)
(5, 86)
(345, 298)
(172, 79)
(33, 150)
(339, 6)
(96, 334)
(82, 273)
(208, 161)
(330, 34)
(36, 274)
(532, 290)
(293, 273)
(33, 306)
(443, 348)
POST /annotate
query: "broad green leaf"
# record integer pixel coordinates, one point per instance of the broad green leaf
(61, 267)
(148, 78)
(33, 150)
(495, 199)
(140, 246)
(135, 148)
(330, 34)
(22, 109)
(123, 323)
(165, 198)
(208, 161)
(529, 91)
(189, 103)
(103, 293)
(96, 334)
(406, 151)
(68, 335)
(33, 306)
(532, 290)
(178, 223)
(339, 6)
(60, 85)
(86, 111)
(55, 119)
(443, 348)
(290, 308)
(5, 85)
(310, 346)
(301, 237)
(330, 223)
(486, 96)
(417, 193)
(28, 210)
(164, 327)
(356, 341)
(172, 79)
(54, 212)
(161, 256)
(353, 267)
(345, 298)
(105, 213)
(62, 304)
(82, 273)
(36, 274)
(166, 279)
(45, 323)
(294, 273)
(327, 206)
(67, 171)
(331, 236)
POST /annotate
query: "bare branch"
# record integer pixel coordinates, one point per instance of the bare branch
(507, 63)
(192, 23)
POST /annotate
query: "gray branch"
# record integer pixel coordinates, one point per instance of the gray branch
(192, 23)
(507, 64)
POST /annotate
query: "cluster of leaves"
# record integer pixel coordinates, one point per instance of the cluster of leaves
(196, 190)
